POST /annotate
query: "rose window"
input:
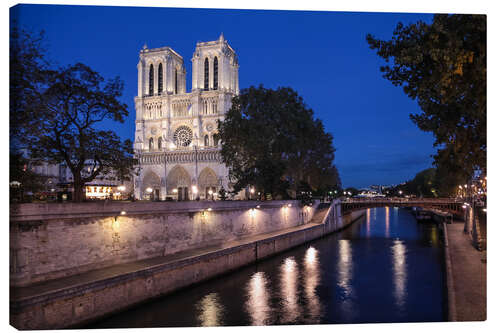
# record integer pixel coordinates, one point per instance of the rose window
(183, 136)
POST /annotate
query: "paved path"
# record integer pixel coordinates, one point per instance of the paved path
(468, 268)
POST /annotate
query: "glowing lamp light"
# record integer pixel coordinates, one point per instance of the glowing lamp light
(210, 192)
(484, 210)
(258, 207)
(209, 209)
(123, 212)
(149, 190)
(464, 206)
(289, 205)
(121, 188)
(344, 193)
(175, 190)
(252, 190)
(195, 189)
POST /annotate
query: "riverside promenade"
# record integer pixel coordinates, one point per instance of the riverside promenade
(75, 300)
(467, 283)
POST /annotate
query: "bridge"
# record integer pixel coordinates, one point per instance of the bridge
(444, 204)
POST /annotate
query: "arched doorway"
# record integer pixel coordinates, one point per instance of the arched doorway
(151, 185)
(178, 182)
(208, 184)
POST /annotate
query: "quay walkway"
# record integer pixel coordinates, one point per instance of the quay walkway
(467, 293)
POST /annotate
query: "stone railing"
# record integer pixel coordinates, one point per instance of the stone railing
(181, 156)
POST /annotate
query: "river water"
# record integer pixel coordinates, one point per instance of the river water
(385, 267)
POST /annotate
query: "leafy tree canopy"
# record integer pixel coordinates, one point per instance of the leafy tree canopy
(271, 141)
(443, 66)
(58, 117)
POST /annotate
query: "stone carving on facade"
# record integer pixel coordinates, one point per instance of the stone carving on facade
(182, 120)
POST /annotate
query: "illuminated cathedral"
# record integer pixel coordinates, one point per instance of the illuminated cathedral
(176, 131)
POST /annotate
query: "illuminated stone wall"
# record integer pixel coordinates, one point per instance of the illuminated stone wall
(54, 240)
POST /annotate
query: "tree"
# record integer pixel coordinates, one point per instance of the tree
(68, 110)
(443, 66)
(28, 69)
(222, 194)
(22, 178)
(271, 141)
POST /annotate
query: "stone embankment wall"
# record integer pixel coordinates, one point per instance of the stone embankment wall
(49, 241)
(83, 301)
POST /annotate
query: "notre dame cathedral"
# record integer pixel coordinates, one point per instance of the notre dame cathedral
(175, 130)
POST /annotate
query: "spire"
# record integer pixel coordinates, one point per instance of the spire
(145, 46)
(221, 37)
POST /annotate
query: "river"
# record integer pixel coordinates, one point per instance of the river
(386, 267)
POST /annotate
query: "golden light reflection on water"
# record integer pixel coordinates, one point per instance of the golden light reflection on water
(387, 221)
(289, 290)
(210, 310)
(311, 281)
(399, 272)
(345, 268)
(258, 299)
(345, 265)
(368, 222)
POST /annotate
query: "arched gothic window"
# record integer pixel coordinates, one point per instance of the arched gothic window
(175, 79)
(151, 143)
(151, 79)
(159, 143)
(216, 74)
(206, 74)
(160, 78)
(206, 141)
(214, 140)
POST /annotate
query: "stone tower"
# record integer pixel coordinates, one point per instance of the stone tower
(176, 131)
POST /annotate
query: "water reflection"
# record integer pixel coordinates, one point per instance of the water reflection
(289, 290)
(311, 281)
(210, 310)
(387, 221)
(345, 267)
(368, 222)
(257, 304)
(399, 271)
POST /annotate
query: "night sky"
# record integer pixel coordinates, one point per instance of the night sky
(322, 55)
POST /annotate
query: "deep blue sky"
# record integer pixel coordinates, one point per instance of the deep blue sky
(322, 55)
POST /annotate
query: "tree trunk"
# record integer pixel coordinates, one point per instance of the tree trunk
(77, 188)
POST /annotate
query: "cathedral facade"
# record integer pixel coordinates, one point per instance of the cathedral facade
(176, 131)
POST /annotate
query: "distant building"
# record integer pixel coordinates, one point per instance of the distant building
(176, 131)
(59, 180)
